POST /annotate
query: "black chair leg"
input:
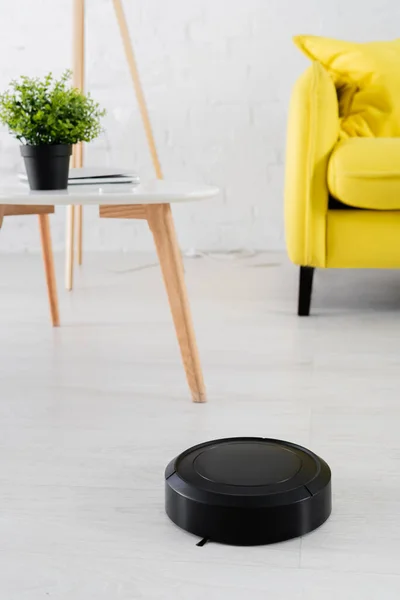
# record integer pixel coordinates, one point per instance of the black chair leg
(305, 291)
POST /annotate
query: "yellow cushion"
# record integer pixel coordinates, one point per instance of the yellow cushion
(370, 76)
(365, 173)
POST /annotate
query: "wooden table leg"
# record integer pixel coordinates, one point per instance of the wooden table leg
(78, 80)
(161, 223)
(2, 211)
(49, 268)
(79, 233)
(69, 251)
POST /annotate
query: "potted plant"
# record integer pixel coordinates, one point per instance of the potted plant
(48, 117)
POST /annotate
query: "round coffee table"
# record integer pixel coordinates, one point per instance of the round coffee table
(150, 201)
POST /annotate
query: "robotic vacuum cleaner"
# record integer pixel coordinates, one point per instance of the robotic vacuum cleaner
(248, 491)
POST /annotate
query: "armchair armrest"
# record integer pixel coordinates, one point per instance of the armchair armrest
(313, 131)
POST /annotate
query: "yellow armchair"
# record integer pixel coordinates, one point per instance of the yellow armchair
(342, 198)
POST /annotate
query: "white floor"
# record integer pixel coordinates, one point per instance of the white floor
(91, 413)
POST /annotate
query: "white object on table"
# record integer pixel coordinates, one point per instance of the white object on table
(95, 176)
(152, 202)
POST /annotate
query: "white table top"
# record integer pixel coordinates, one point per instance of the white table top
(152, 192)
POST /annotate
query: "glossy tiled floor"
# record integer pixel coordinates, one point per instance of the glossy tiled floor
(91, 413)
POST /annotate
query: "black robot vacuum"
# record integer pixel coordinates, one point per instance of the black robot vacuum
(248, 491)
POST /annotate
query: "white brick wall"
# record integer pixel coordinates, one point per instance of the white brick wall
(217, 76)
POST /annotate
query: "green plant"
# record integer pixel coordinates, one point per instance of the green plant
(49, 111)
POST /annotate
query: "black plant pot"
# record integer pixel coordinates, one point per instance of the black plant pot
(47, 166)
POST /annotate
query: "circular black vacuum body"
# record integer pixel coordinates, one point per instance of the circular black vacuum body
(248, 491)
